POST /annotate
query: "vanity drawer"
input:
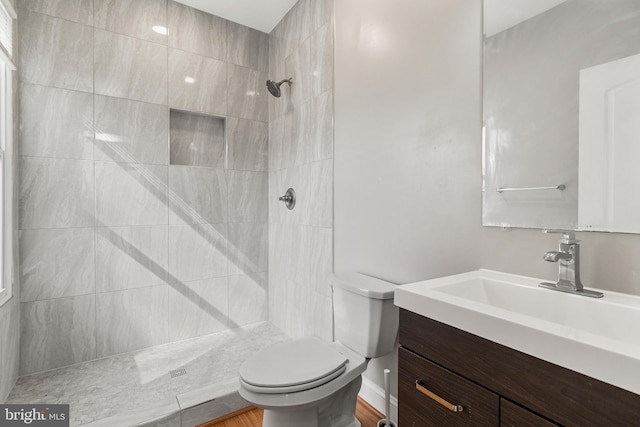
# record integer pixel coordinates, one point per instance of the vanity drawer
(426, 388)
(512, 415)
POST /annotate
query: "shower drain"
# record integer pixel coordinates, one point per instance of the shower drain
(178, 372)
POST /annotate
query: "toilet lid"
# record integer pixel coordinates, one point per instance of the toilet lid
(292, 363)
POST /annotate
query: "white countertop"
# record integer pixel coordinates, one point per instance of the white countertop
(599, 338)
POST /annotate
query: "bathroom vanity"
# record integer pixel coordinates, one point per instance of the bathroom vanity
(495, 385)
(451, 376)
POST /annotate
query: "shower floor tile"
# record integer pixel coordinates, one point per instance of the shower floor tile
(128, 382)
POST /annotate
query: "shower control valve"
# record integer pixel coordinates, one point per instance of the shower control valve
(289, 198)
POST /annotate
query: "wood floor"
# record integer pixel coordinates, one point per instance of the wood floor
(252, 417)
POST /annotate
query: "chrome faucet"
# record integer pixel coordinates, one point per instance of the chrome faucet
(568, 258)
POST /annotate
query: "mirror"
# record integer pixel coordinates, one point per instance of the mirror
(561, 134)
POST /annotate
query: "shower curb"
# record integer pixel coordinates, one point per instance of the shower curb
(187, 410)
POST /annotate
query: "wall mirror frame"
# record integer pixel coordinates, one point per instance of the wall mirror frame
(561, 114)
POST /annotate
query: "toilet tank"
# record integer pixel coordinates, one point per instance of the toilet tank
(365, 319)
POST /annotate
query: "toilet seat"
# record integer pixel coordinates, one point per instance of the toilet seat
(292, 366)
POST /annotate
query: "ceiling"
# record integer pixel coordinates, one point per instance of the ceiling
(262, 15)
(502, 14)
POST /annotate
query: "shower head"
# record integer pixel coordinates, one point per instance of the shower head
(274, 87)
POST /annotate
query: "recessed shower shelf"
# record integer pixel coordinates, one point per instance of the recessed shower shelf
(196, 139)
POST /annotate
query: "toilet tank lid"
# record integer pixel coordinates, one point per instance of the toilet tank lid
(362, 284)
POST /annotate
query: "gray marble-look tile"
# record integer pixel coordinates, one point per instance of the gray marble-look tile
(151, 411)
(288, 319)
(279, 182)
(308, 313)
(212, 392)
(248, 142)
(56, 333)
(195, 31)
(144, 19)
(133, 388)
(298, 64)
(10, 339)
(197, 195)
(197, 251)
(282, 153)
(302, 254)
(323, 317)
(279, 46)
(131, 131)
(197, 83)
(131, 257)
(316, 264)
(56, 122)
(300, 312)
(126, 67)
(197, 140)
(316, 189)
(73, 10)
(56, 193)
(247, 47)
(248, 196)
(56, 263)
(55, 52)
(131, 319)
(247, 93)
(279, 106)
(281, 251)
(197, 308)
(290, 31)
(321, 67)
(292, 130)
(280, 301)
(313, 184)
(131, 194)
(248, 248)
(248, 299)
(319, 13)
(316, 141)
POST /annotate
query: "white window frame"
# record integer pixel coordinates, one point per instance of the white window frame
(7, 68)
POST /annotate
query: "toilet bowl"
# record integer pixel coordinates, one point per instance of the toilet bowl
(313, 383)
(303, 392)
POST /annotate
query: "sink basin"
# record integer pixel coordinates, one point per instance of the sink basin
(596, 337)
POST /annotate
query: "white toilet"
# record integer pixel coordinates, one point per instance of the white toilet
(313, 383)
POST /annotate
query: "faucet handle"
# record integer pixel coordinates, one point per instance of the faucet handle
(568, 236)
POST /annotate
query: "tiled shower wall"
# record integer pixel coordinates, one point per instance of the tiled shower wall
(119, 250)
(301, 157)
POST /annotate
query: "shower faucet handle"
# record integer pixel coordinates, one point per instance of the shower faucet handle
(289, 198)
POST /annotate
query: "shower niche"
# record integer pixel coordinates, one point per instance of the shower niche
(196, 139)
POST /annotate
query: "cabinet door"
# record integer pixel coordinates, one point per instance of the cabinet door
(429, 396)
(512, 415)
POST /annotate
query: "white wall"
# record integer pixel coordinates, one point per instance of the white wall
(407, 140)
(407, 129)
(408, 153)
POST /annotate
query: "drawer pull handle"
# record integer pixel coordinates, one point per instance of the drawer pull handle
(432, 395)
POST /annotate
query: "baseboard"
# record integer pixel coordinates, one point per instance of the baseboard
(374, 396)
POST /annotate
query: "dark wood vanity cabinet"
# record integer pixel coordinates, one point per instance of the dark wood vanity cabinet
(480, 406)
(512, 415)
(442, 368)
